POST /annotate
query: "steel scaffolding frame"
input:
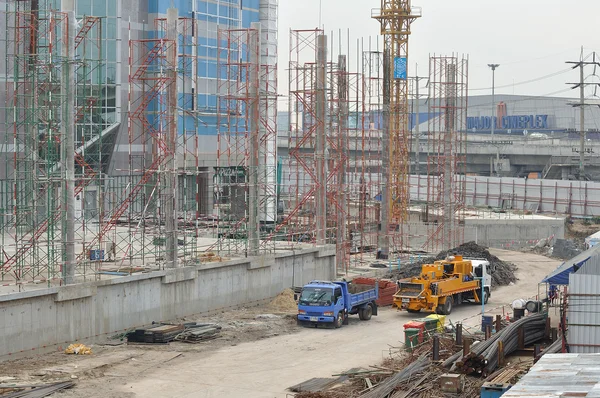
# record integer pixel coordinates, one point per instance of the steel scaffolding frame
(35, 90)
(246, 176)
(305, 183)
(446, 164)
(153, 63)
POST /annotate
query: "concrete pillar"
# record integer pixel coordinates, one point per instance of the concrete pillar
(67, 129)
(267, 212)
(171, 141)
(449, 228)
(386, 203)
(343, 159)
(253, 180)
(320, 150)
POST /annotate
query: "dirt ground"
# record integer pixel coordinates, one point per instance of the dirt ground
(113, 361)
(259, 353)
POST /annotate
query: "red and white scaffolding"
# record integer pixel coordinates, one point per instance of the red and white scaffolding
(246, 178)
(446, 163)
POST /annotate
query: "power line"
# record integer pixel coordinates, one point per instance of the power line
(537, 79)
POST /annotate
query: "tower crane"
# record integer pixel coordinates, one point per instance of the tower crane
(395, 18)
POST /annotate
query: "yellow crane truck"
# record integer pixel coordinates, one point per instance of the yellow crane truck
(444, 284)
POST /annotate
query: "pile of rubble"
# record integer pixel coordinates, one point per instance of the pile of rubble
(503, 273)
(401, 375)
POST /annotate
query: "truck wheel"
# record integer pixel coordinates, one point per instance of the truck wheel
(339, 321)
(447, 309)
(486, 295)
(365, 313)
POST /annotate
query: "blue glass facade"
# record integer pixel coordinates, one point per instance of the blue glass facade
(211, 15)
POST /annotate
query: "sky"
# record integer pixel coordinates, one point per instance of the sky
(530, 39)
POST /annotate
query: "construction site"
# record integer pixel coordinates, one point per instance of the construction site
(155, 168)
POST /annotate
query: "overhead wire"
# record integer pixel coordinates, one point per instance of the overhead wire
(537, 79)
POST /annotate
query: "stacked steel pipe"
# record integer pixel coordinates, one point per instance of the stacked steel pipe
(483, 357)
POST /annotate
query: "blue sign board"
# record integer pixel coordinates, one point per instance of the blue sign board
(539, 122)
(400, 68)
(96, 255)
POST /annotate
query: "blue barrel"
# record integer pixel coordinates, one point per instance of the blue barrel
(487, 320)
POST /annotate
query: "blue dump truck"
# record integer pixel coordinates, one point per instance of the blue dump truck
(329, 303)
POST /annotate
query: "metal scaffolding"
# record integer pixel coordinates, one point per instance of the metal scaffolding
(446, 164)
(246, 177)
(52, 149)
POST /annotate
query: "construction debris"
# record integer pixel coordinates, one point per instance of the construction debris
(78, 349)
(409, 270)
(565, 249)
(390, 384)
(38, 391)
(160, 334)
(198, 333)
(317, 384)
(503, 273)
(164, 333)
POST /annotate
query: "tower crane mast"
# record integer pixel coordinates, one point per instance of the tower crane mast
(395, 18)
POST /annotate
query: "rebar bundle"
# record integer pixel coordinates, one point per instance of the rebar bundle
(483, 358)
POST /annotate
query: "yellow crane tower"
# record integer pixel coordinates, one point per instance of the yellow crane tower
(395, 17)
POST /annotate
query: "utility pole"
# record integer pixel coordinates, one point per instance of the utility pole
(581, 104)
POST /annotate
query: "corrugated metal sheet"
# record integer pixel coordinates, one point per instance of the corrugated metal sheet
(584, 313)
(592, 265)
(589, 261)
(560, 375)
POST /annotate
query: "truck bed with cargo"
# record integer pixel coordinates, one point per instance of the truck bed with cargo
(330, 303)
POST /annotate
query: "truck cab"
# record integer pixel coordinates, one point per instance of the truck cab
(482, 267)
(329, 303)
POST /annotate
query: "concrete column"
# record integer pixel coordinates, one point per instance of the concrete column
(267, 212)
(67, 129)
(171, 138)
(386, 203)
(449, 157)
(253, 181)
(320, 150)
(343, 159)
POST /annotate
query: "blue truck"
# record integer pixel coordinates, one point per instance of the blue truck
(330, 303)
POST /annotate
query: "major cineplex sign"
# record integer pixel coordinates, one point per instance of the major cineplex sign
(508, 122)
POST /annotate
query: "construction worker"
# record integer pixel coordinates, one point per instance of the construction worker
(552, 294)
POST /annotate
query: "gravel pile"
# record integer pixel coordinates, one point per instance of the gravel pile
(503, 273)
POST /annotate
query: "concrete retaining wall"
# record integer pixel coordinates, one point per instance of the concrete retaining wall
(575, 198)
(502, 234)
(513, 234)
(45, 318)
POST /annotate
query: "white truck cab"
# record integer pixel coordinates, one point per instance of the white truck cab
(482, 267)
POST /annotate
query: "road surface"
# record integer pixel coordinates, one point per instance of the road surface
(266, 368)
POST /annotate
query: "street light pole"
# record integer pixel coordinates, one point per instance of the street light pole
(493, 66)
